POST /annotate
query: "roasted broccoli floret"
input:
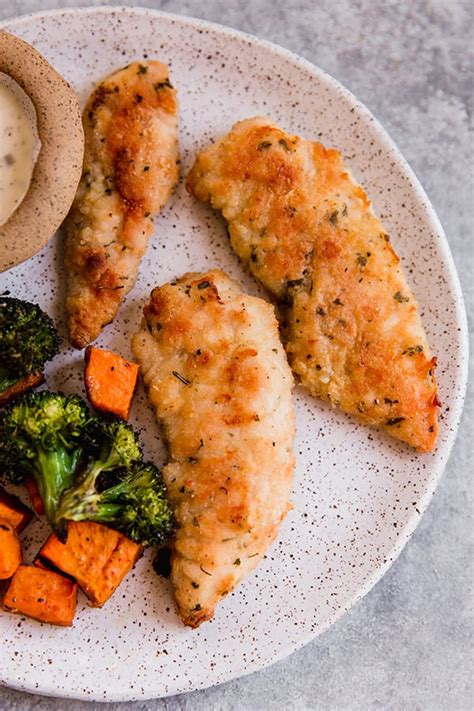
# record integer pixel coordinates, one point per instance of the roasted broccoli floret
(28, 338)
(117, 448)
(135, 505)
(44, 434)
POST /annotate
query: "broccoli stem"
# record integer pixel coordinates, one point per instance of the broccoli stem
(91, 509)
(80, 503)
(84, 504)
(53, 474)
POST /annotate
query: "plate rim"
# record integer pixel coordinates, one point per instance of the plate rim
(13, 23)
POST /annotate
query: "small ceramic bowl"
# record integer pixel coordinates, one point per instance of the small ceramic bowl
(59, 164)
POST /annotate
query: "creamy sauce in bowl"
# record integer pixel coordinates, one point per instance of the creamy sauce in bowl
(19, 145)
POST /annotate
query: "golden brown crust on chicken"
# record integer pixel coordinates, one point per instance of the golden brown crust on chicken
(217, 376)
(130, 169)
(307, 232)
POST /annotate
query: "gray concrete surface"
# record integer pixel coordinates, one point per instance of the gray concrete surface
(408, 643)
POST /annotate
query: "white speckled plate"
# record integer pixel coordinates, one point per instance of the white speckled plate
(358, 494)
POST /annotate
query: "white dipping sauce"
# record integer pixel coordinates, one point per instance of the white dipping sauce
(19, 145)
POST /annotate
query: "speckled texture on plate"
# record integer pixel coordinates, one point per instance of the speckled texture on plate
(358, 495)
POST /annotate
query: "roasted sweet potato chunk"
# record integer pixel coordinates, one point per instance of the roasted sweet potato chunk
(10, 549)
(96, 556)
(110, 381)
(14, 511)
(42, 595)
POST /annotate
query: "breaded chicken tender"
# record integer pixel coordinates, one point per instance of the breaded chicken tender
(217, 376)
(130, 168)
(306, 231)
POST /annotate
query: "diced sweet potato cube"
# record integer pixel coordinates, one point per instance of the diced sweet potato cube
(96, 556)
(110, 381)
(35, 498)
(10, 549)
(14, 511)
(42, 595)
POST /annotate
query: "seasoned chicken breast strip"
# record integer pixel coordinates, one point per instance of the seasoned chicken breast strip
(307, 232)
(217, 376)
(130, 168)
